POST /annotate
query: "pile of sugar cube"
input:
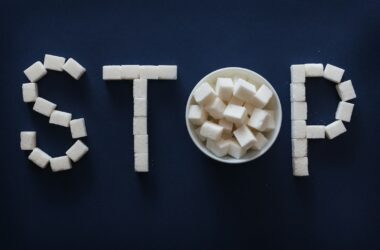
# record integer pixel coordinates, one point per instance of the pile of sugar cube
(231, 118)
(28, 139)
(301, 132)
(140, 75)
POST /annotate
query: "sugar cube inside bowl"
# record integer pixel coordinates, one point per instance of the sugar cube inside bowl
(266, 99)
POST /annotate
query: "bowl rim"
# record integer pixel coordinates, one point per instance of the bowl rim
(203, 148)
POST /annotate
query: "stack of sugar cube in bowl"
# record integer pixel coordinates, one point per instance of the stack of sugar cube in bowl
(233, 115)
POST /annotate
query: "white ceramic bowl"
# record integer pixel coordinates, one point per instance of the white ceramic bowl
(255, 79)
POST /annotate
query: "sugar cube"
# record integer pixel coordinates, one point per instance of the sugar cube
(167, 72)
(44, 106)
(299, 129)
(262, 96)
(54, 62)
(129, 72)
(299, 110)
(60, 163)
(197, 115)
(112, 72)
(77, 151)
(300, 166)
(297, 73)
(140, 88)
(244, 90)
(236, 101)
(140, 107)
(140, 126)
(198, 133)
(218, 148)
(35, 72)
(78, 128)
(60, 118)
(344, 111)
(216, 108)
(29, 92)
(234, 113)
(73, 68)
(28, 140)
(261, 141)
(141, 162)
(141, 143)
(148, 72)
(227, 125)
(334, 129)
(211, 130)
(297, 92)
(245, 137)
(204, 94)
(258, 119)
(224, 88)
(314, 69)
(39, 157)
(315, 132)
(299, 147)
(346, 90)
(235, 150)
(333, 73)
(270, 123)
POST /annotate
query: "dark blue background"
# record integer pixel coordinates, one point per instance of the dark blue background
(187, 201)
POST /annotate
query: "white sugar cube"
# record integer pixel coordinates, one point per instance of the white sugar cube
(299, 129)
(60, 118)
(112, 72)
(297, 92)
(167, 72)
(314, 69)
(261, 141)
(211, 131)
(346, 90)
(262, 96)
(204, 94)
(198, 133)
(61, 163)
(333, 73)
(224, 88)
(129, 72)
(54, 62)
(140, 126)
(141, 162)
(44, 106)
(245, 137)
(258, 119)
(77, 151)
(140, 88)
(236, 101)
(315, 132)
(344, 111)
(299, 147)
(35, 72)
(140, 107)
(299, 110)
(148, 72)
(197, 115)
(334, 129)
(244, 90)
(235, 150)
(141, 143)
(227, 125)
(234, 113)
(78, 128)
(29, 92)
(216, 108)
(39, 157)
(271, 122)
(218, 148)
(73, 68)
(297, 73)
(300, 166)
(28, 140)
